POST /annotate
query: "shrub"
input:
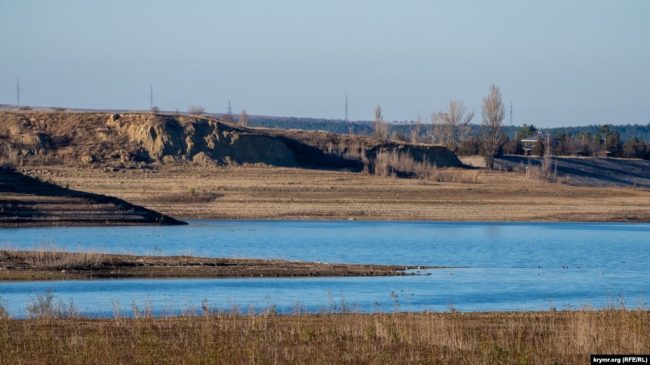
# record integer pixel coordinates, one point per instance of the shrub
(45, 307)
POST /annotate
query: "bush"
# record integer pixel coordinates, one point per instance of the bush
(45, 307)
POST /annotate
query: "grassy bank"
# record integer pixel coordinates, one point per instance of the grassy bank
(445, 338)
(57, 265)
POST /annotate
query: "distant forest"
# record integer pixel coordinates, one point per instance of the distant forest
(626, 131)
(629, 140)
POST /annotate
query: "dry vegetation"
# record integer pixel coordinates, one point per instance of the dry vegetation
(348, 338)
(252, 192)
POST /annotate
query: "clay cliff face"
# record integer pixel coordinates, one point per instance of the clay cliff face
(135, 139)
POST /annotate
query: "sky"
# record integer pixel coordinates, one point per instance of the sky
(558, 62)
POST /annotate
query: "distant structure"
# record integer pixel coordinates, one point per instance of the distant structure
(18, 91)
(346, 107)
(150, 97)
(532, 143)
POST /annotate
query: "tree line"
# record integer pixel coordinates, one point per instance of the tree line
(491, 139)
(451, 127)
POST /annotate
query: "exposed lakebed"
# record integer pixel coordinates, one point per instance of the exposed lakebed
(501, 266)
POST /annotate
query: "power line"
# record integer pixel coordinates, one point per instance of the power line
(150, 96)
(18, 91)
(346, 107)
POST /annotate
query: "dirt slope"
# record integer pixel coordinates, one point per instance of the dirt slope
(132, 140)
(25, 200)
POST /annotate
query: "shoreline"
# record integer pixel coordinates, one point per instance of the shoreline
(188, 220)
(20, 265)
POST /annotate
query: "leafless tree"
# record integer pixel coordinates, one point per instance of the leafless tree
(415, 132)
(491, 134)
(243, 118)
(195, 109)
(380, 127)
(452, 125)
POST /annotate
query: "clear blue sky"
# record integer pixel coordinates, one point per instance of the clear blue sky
(560, 62)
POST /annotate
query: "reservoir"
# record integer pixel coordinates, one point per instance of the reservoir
(489, 266)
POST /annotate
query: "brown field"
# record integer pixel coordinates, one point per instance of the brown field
(59, 265)
(348, 338)
(258, 192)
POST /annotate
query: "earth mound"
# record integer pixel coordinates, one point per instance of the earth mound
(134, 140)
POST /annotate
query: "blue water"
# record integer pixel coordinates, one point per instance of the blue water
(499, 266)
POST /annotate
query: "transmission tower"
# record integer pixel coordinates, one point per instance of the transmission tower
(18, 92)
(150, 97)
(346, 107)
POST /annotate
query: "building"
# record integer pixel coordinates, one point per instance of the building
(536, 143)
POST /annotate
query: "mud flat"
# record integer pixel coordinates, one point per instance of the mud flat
(49, 265)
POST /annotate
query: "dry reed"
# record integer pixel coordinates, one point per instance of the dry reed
(52, 258)
(566, 337)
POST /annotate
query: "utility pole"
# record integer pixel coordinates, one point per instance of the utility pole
(511, 113)
(150, 97)
(346, 107)
(18, 91)
(229, 112)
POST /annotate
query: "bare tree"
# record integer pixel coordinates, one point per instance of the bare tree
(453, 125)
(195, 109)
(243, 118)
(491, 134)
(379, 126)
(415, 132)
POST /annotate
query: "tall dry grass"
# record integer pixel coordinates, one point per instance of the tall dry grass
(394, 163)
(353, 338)
(49, 258)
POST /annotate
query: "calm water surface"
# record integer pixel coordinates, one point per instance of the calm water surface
(502, 266)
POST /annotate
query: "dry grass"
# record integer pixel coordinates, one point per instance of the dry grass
(474, 161)
(51, 258)
(255, 192)
(349, 338)
(393, 163)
